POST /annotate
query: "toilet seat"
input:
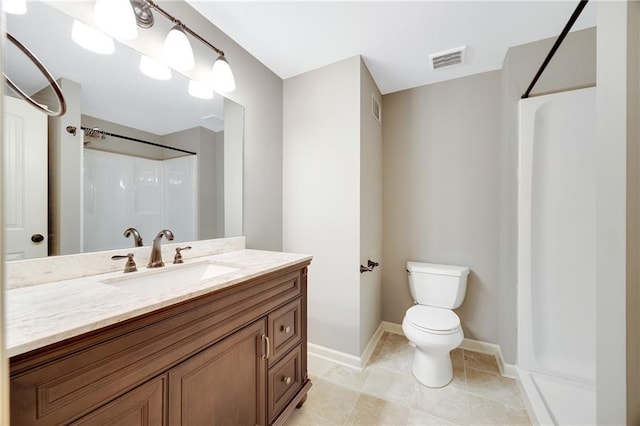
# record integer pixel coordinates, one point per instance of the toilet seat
(433, 320)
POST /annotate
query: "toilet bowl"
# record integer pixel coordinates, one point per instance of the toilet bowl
(431, 325)
(435, 332)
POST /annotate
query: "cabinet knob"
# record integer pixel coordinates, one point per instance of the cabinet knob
(286, 380)
(286, 329)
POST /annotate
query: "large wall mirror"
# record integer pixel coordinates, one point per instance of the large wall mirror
(131, 151)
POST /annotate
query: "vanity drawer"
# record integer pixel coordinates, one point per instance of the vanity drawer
(285, 380)
(284, 329)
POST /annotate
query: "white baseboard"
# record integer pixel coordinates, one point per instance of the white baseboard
(506, 370)
(348, 360)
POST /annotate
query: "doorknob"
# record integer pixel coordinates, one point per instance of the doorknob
(37, 238)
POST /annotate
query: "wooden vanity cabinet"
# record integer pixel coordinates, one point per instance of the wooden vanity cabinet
(237, 356)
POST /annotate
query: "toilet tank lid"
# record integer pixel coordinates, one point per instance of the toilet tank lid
(434, 268)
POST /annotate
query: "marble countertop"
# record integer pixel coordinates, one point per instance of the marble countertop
(47, 313)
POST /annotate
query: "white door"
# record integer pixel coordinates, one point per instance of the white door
(24, 135)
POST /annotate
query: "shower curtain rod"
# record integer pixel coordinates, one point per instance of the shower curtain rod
(115, 135)
(556, 45)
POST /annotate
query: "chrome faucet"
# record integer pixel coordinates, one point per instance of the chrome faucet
(155, 260)
(136, 236)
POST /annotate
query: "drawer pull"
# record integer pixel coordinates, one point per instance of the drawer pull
(286, 380)
(265, 337)
(285, 329)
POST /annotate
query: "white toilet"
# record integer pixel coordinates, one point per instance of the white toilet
(430, 324)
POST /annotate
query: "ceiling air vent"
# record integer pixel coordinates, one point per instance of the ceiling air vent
(447, 58)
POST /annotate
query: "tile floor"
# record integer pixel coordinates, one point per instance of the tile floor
(386, 393)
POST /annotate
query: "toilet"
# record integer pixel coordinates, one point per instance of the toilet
(431, 325)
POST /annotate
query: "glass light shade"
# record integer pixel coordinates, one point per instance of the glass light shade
(221, 76)
(154, 69)
(116, 18)
(91, 39)
(176, 51)
(15, 7)
(199, 90)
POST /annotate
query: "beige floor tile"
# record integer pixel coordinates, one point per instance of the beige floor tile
(448, 403)
(304, 417)
(457, 358)
(395, 354)
(420, 418)
(493, 386)
(370, 410)
(488, 412)
(386, 393)
(390, 386)
(480, 361)
(317, 366)
(330, 401)
(345, 376)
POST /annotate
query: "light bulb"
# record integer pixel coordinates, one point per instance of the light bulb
(176, 51)
(15, 7)
(199, 90)
(91, 39)
(116, 18)
(154, 69)
(221, 76)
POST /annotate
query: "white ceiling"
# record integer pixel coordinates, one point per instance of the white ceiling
(394, 38)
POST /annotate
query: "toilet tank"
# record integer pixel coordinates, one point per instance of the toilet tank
(441, 286)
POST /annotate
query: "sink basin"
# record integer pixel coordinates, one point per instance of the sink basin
(173, 277)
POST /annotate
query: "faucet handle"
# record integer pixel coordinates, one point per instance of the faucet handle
(130, 266)
(178, 257)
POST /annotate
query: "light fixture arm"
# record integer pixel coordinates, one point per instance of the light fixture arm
(179, 23)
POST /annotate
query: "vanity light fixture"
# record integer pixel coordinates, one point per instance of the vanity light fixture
(221, 78)
(199, 90)
(116, 18)
(154, 69)
(176, 51)
(15, 7)
(91, 39)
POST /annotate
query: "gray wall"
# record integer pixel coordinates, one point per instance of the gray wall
(617, 215)
(370, 209)
(322, 196)
(573, 66)
(259, 90)
(441, 192)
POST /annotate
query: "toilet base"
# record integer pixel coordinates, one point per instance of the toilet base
(432, 369)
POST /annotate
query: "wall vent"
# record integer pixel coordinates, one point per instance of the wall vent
(447, 58)
(376, 111)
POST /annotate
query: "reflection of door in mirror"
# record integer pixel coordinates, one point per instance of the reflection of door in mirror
(25, 172)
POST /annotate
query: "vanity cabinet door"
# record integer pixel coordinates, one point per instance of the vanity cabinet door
(143, 406)
(224, 384)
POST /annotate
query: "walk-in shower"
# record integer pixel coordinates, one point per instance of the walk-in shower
(556, 256)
